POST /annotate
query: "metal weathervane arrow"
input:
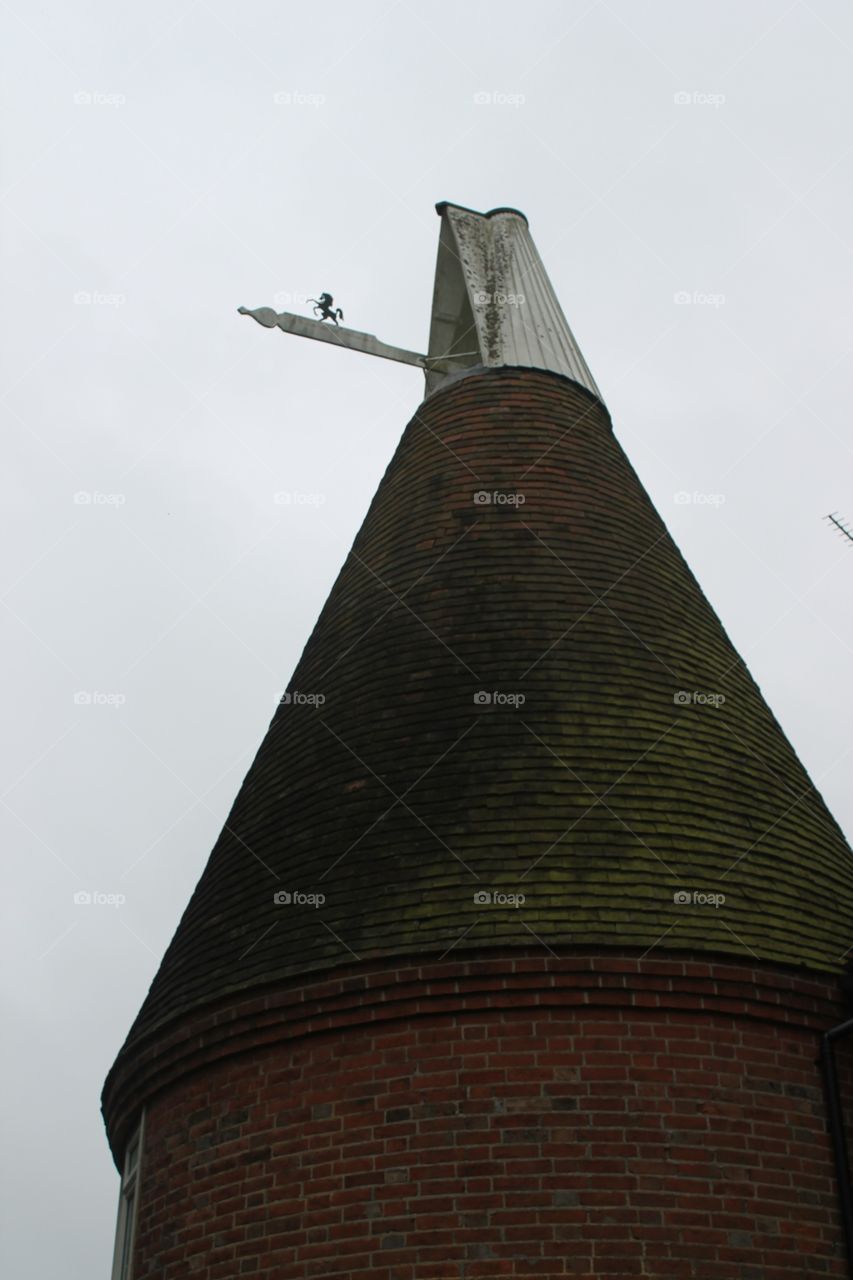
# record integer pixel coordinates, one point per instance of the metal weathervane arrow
(324, 309)
(493, 307)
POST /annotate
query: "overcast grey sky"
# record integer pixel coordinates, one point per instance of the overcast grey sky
(165, 163)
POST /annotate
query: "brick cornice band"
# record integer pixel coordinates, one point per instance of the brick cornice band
(361, 996)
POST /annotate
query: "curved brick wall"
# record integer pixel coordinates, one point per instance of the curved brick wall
(507, 1117)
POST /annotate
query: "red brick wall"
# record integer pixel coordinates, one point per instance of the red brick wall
(637, 1119)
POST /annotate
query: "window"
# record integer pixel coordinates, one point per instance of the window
(127, 1201)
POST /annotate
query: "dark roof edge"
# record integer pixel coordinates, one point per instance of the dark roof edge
(481, 370)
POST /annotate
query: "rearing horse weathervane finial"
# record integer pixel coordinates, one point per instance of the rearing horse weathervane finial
(324, 306)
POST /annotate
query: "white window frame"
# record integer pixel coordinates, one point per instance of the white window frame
(128, 1204)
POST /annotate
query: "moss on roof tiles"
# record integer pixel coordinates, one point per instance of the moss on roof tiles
(599, 797)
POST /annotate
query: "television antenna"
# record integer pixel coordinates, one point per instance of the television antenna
(840, 524)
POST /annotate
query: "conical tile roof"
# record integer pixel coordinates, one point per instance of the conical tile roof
(516, 689)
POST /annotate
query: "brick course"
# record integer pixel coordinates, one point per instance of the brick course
(574, 1139)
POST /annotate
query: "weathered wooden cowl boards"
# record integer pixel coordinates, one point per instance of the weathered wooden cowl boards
(584, 913)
